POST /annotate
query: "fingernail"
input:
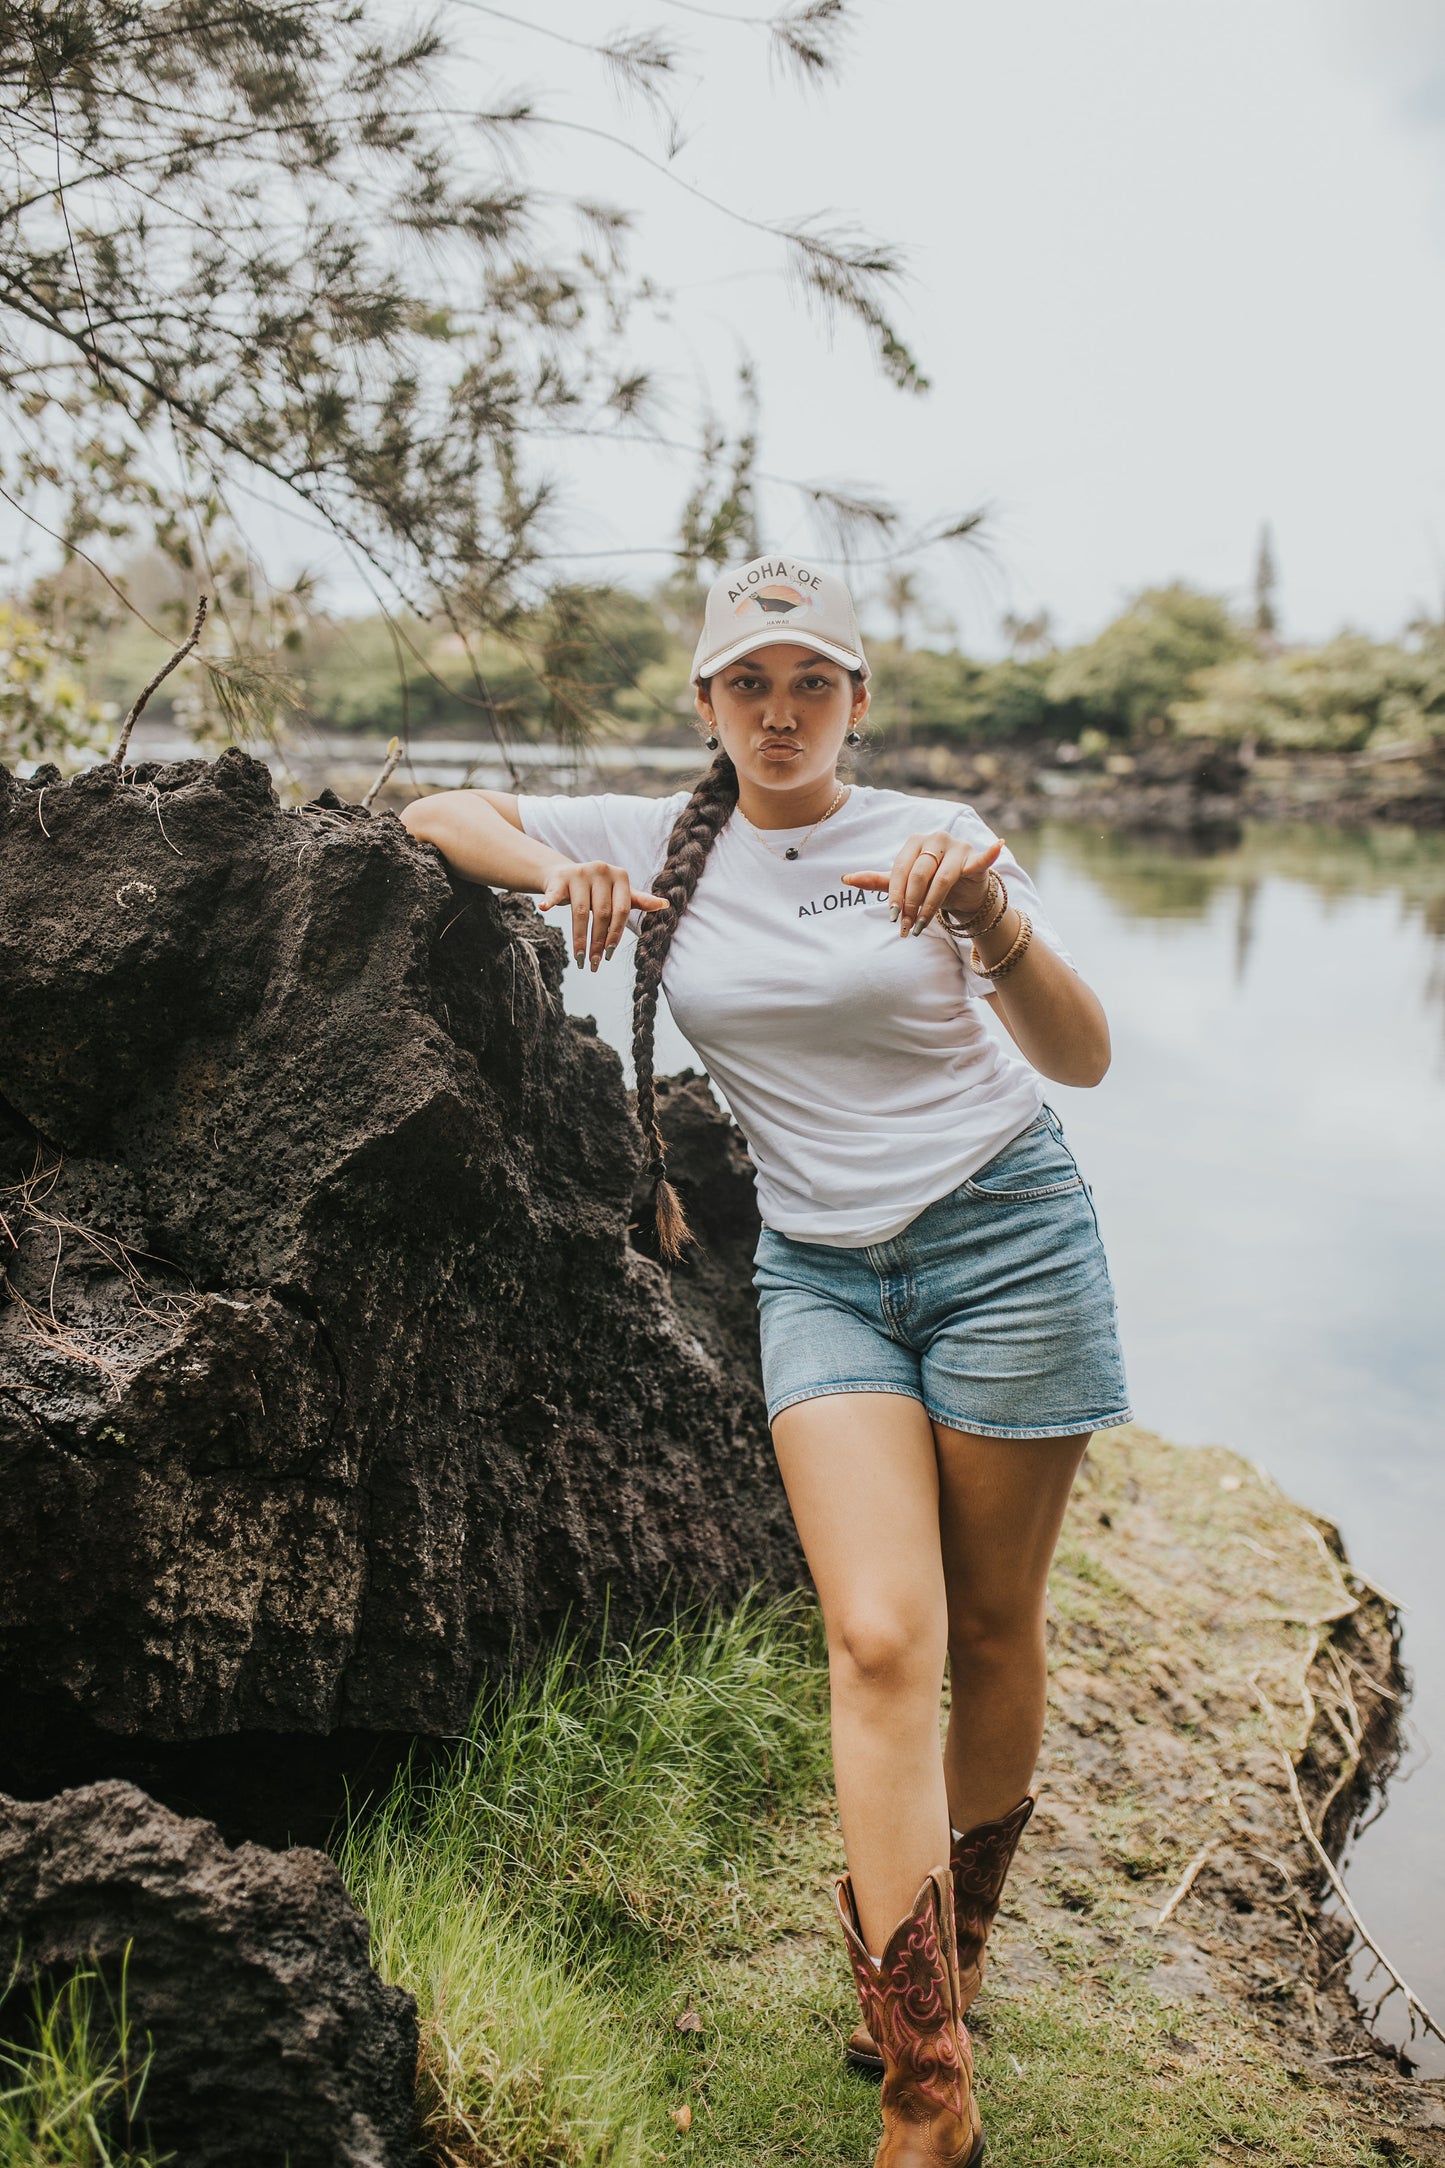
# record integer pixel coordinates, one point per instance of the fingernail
(893, 912)
(609, 953)
(919, 924)
(577, 953)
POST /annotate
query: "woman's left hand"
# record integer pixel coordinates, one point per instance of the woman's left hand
(930, 874)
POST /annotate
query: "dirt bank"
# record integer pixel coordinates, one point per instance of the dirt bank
(1209, 1642)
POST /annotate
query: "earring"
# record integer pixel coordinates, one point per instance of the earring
(711, 743)
(855, 737)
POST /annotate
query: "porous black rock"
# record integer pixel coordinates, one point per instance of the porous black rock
(330, 1380)
(272, 2039)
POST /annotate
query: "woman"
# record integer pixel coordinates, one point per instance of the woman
(938, 1334)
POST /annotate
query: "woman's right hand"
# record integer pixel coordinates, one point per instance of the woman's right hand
(604, 894)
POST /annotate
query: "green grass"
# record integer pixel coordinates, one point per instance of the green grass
(534, 1890)
(627, 1838)
(71, 2087)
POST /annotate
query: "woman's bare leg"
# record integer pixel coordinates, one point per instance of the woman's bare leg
(1001, 1506)
(861, 1473)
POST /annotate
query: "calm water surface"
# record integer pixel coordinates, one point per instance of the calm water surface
(1268, 1160)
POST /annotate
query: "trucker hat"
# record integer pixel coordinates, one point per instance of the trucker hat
(778, 598)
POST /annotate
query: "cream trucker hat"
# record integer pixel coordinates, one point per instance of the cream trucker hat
(778, 598)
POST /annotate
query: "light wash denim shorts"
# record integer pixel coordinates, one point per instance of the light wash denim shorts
(994, 1307)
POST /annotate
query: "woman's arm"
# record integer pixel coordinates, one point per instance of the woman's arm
(480, 835)
(1054, 1019)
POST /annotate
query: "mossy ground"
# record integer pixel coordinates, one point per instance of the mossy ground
(627, 1843)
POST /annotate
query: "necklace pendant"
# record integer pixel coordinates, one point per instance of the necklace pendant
(791, 851)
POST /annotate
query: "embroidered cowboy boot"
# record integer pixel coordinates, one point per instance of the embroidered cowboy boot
(979, 1861)
(910, 2004)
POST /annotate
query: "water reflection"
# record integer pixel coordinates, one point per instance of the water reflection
(1268, 1157)
(1183, 877)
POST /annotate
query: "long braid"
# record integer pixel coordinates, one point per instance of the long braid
(694, 833)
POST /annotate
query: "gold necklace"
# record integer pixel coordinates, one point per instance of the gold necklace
(793, 849)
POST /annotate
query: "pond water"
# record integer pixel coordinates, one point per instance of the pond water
(1268, 1160)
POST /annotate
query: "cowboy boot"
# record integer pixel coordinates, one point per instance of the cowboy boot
(910, 2003)
(979, 1861)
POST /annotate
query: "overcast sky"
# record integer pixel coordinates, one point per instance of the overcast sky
(1176, 267)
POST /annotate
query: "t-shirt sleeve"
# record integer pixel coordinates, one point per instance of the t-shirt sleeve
(971, 828)
(622, 830)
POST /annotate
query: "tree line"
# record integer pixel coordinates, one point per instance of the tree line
(606, 661)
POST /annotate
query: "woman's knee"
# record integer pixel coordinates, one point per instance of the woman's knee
(994, 1635)
(882, 1650)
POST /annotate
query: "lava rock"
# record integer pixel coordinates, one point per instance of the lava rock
(330, 1381)
(272, 2038)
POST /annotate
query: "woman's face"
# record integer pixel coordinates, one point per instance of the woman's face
(781, 714)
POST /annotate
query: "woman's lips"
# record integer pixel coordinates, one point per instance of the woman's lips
(778, 749)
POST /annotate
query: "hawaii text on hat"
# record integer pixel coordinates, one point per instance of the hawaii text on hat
(778, 598)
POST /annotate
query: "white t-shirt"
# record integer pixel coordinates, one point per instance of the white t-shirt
(857, 1063)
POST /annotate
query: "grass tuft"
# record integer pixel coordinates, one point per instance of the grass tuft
(599, 1817)
(70, 2090)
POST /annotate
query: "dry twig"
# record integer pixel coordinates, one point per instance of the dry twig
(163, 673)
(393, 755)
(1186, 1883)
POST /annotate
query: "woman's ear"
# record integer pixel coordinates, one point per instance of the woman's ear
(704, 708)
(862, 701)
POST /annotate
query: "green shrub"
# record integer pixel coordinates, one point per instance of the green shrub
(944, 695)
(1126, 682)
(1339, 698)
(44, 711)
(577, 657)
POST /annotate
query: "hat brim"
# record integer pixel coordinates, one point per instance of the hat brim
(779, 636)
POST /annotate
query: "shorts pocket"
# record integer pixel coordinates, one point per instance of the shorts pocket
(1035, 1163)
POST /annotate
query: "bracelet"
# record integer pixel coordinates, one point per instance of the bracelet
(1012, 959)
(980, 921)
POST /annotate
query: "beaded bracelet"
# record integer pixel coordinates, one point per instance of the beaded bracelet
(1012, 959)
(980, 922)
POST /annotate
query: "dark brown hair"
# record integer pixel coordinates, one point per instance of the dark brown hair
(694, 833)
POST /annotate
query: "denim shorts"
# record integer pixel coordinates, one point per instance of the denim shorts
(994, 1307)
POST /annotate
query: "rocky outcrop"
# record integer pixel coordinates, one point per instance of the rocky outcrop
(329, 1379)
(1186, 787)
(272, 2038)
